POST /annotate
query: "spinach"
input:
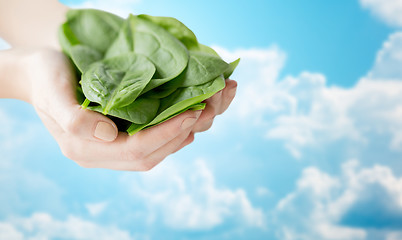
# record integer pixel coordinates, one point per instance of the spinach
(83, 56)
(176, 28)
(117, 82)
(140, 71)
(141, 111)
(181, 100)
(168, 54)
(94, 28)
(201, 69)
(232, 66)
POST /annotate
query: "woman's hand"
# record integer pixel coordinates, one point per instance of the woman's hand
(216, 105)
(45, 78)
(47, 81)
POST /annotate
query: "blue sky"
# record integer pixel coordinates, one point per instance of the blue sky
(310, 148)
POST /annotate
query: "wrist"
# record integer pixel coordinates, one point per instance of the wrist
(15, 82)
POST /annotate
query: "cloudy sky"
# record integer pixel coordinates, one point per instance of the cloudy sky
(310, 149)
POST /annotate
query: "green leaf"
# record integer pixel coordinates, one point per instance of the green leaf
(123, 42)
(141, 111)
(232, 66)
(182, 100)
(205, 49)
(83, 56)
(117, 82)
(201, 69)
(94, 28)
(159, 92)
(176, 28)
(168, 54)
(140, 71)
(134, 127)
(193, 94)
(67, 38)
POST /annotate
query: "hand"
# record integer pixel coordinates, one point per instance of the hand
(216, 105)
(91, 139)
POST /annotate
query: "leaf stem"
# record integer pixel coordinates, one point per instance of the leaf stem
(86, 103)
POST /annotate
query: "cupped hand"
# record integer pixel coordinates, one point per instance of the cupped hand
(93, 140)
(216, 105)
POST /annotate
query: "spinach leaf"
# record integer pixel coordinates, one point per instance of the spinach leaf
(94, 28)
(83, 56)
(176, 28)
(141, 111)
(160, 92)
(123, 42)
(182, 100)
(201, 69)
(142, 70)
(181, 32)
(192, 94)
(117, 82)
(168, 54)
(232, 66)
(67, 38)
(205, 49)
(134, 127)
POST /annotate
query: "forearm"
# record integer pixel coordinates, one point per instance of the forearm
(31, 23)
(13, 78)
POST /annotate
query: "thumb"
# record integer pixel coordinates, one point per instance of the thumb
(88, 124)
(54, 96)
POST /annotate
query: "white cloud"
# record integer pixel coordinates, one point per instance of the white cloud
(320, 205)
(396, 235)
(390, 11)
(263, 191)
(333, 113)
(43, 226)
(257, 74)
(17, 133)
(389, 59)
(119, 7)
(7, 231)
(95, 209)
(304, 111)
(193, 201)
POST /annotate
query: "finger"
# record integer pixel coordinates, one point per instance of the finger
(155, 137)
(127, 149)
(69, 115)
(186, 142)
(89, 125)
(228, 95)
(176, 144)
(93, 154)
(150, 161)
(206, 119)
(84, 123)
(105, 157)
(215, 102)
(51, 125)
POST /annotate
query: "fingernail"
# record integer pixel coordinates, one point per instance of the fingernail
(188, 122)
(198, 113)
(105, 131)
(234, 84)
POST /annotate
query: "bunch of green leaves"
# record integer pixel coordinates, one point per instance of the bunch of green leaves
(142, 70)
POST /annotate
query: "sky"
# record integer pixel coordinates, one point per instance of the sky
(310, 148)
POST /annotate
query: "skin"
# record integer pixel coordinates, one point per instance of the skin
(35, 71)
